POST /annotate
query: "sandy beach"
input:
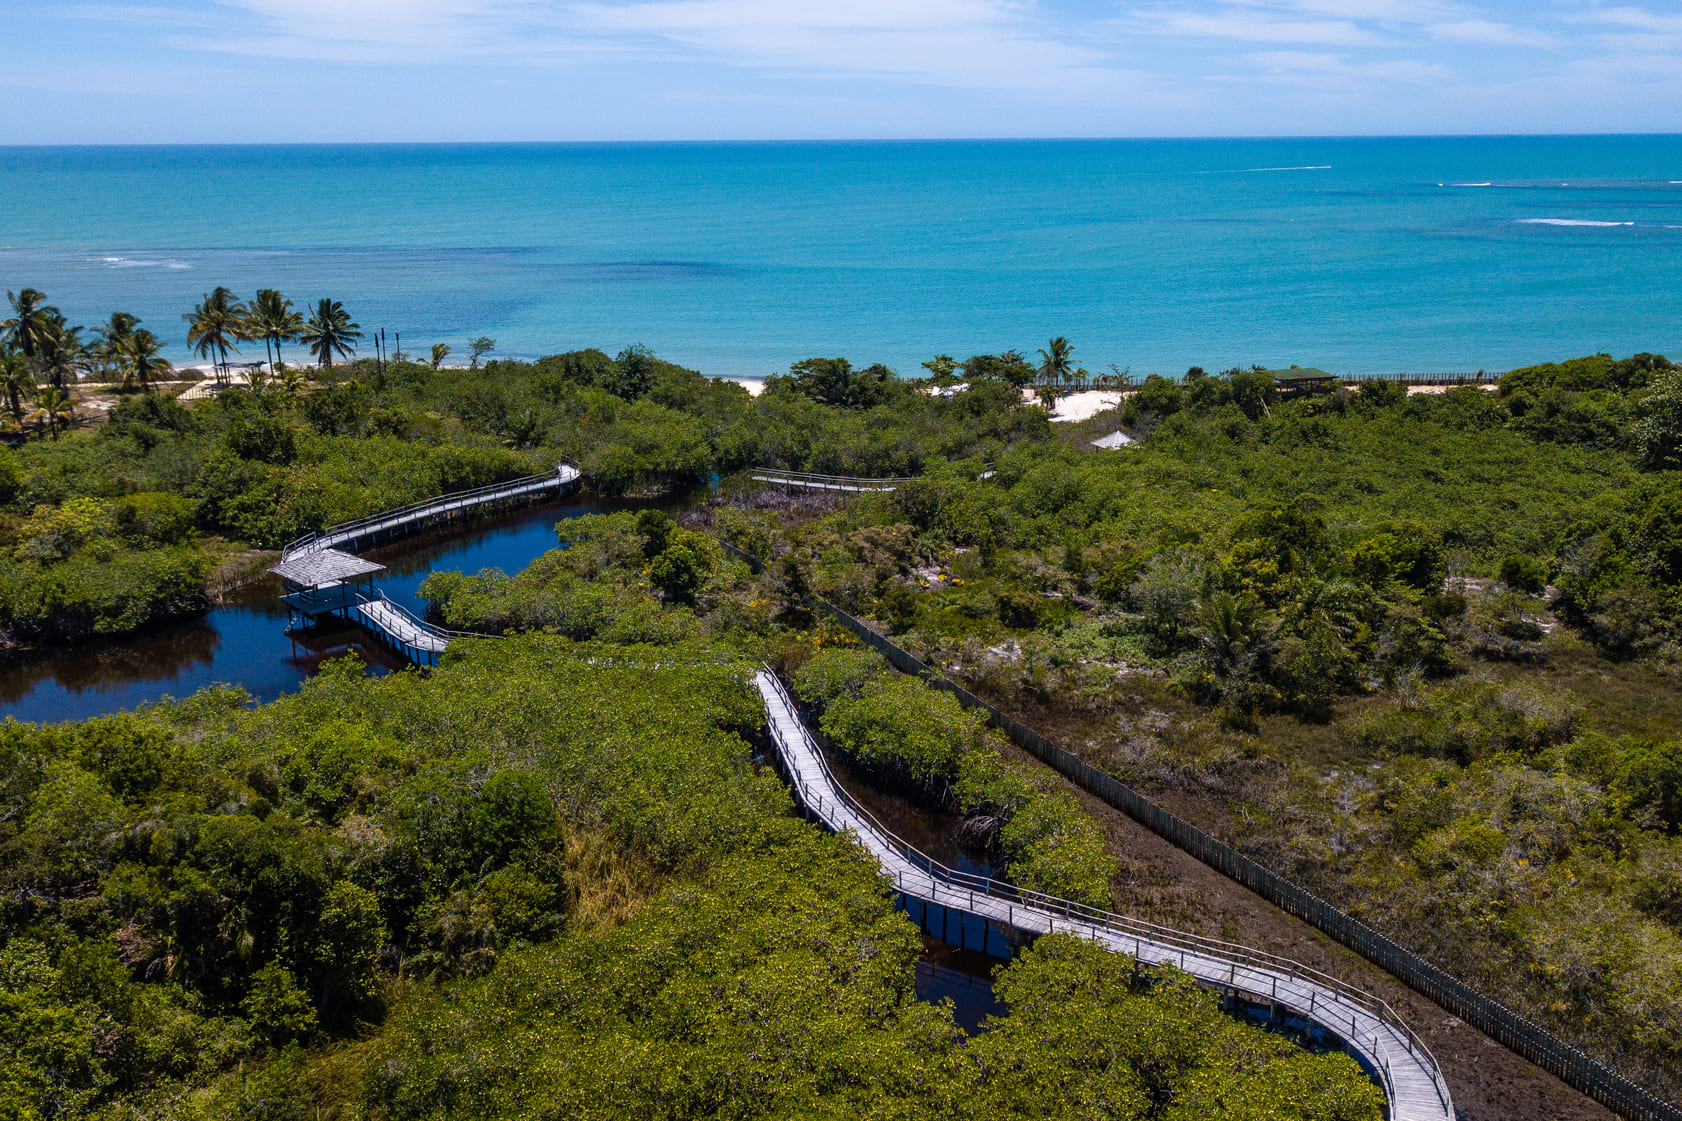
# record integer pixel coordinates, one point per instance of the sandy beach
(1084, 405)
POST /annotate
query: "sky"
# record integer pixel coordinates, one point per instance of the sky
(275, 71)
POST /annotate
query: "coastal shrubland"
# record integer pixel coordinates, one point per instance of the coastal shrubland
(548, 876)
(1419, 652)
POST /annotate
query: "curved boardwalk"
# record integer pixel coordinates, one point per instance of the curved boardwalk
(389, 524)
(319, 565)
(1413, 1085)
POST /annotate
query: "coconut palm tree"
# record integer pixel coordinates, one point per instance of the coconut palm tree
(30, 321)
(141, 362)
(440, 351)
(330, 332)
(214, 326)
(15, 381)
(1054, 364)
(60, 353)
(114, 339)
(55, 402)
(293, 382)
(273, 320)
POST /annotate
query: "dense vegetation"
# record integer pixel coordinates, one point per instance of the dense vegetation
(1421, 652)
(548, 878)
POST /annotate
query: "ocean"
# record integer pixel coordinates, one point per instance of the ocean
(1356, 255)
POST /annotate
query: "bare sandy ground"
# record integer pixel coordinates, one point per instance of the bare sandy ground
(1084, 405)
(1435, 390)
(754, 386)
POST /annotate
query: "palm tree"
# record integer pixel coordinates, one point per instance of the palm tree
(330, 331)
(56, 402)
(293, 382)
(114, 339)
(215, 325)
(1054, 365)
(60, 352)
(141, 362)
(440, 351)
(15, 381)
(273, 320)
(30, 321)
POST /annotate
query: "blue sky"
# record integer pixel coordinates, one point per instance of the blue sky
(421, 70)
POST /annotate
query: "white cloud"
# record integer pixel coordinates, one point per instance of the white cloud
(1491, 33)
(1248, 27)
(991, 43)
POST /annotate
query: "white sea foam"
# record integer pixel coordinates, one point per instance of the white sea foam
(1305, 167)
(143, 263)
(1469, 184)
(1568, 222)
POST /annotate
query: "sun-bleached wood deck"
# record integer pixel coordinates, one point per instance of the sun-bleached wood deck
(363, 532)
(326, 559)
(1412, 1083)
(805, 481)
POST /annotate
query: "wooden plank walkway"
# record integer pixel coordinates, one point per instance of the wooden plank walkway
(389, 523)
(414, 638)
(402, 628)
(1412, 1083)
(819, 482)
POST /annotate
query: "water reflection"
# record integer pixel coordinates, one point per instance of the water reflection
(245, 642)
(965, 977)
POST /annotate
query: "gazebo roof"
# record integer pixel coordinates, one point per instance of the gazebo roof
(317, 567)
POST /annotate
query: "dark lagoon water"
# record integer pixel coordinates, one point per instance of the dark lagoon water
(245, 642)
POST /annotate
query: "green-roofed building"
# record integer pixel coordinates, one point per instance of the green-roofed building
(1300, 379)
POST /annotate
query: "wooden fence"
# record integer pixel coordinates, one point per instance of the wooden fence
(1500, 1023)
(1537, 1044)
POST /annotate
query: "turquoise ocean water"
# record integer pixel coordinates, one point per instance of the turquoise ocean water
(1361, 256)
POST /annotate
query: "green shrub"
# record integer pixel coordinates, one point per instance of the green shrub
(834, 673)
(1469, 721)
(901, 727)
(1524, 574)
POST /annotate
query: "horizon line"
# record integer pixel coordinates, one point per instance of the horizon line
(839, 141)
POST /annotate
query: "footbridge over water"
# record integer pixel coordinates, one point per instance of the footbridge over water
(1413, 1085)
(324, 576)
(803, 480)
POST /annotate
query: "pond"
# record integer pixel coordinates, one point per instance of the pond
(245, 641)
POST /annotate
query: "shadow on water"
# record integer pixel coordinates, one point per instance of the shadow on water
(962, 950)
(245, 642)
(965, 977)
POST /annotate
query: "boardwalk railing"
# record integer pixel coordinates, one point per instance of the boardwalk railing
(420, 511)
(1535, 1043)
(814, 795)
(1529, 1040)
(826, 482)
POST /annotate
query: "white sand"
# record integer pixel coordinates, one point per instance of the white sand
(1084, 405)
(754, 386)
(1435, 390)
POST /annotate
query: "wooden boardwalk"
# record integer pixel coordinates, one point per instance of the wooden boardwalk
(365, 532)
(1412, 1083)
(847, 483)
(806, 481)
(330, 549)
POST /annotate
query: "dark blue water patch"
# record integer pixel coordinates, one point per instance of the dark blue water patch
(964, 977)
(246, 643)
(963, 930)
